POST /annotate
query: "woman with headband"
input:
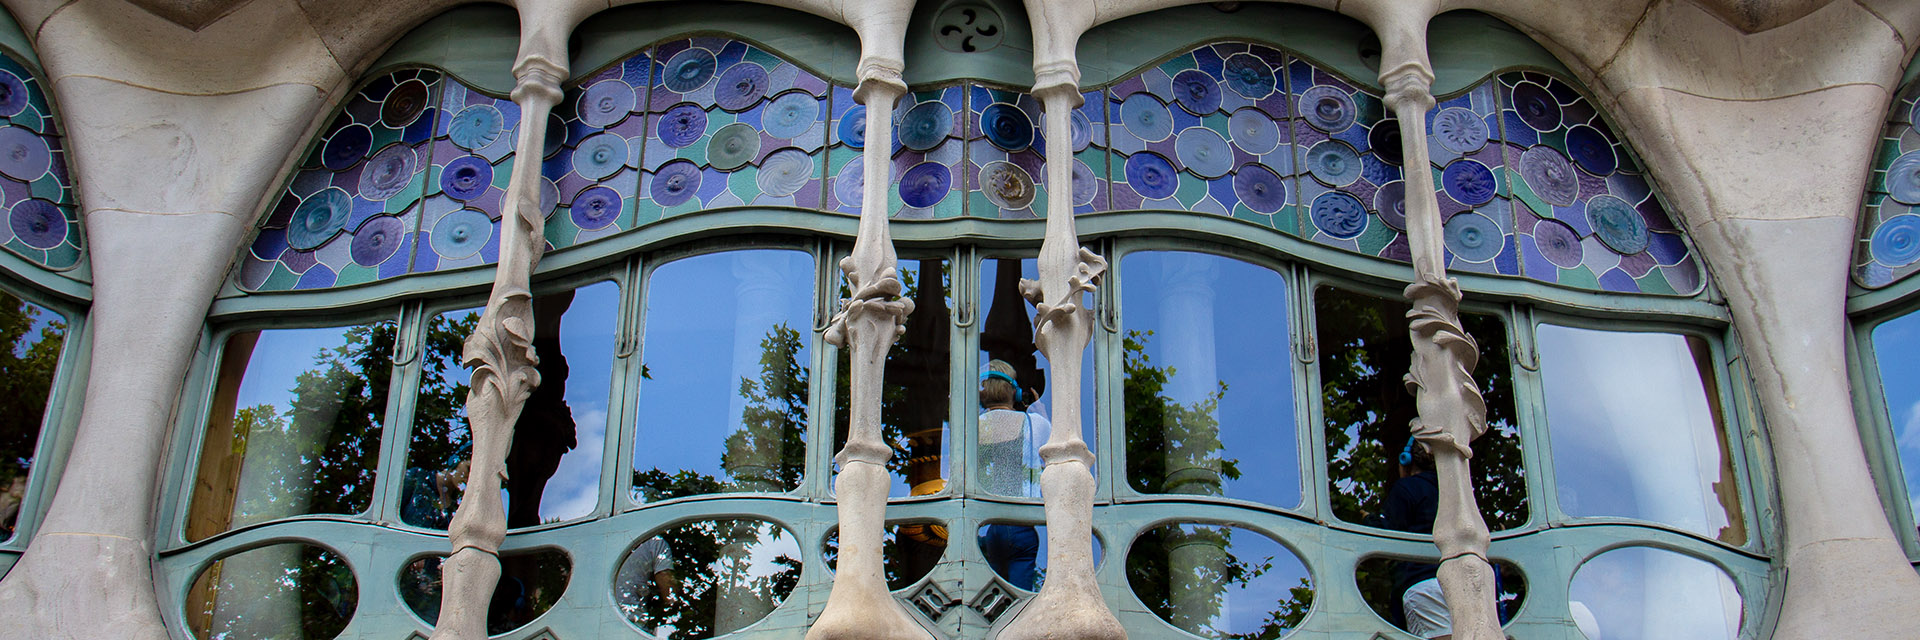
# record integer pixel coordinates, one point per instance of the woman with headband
(1010, 440)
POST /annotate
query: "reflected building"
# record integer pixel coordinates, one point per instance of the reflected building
(246, 310)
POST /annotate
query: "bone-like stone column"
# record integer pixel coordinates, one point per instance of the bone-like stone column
(1069, 604)
(860, 605)
(1451, 412)
(501, 354)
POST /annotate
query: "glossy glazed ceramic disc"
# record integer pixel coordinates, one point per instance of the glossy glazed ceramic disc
(675, 183)
(318, 218)
(466, 177)
(376, 240)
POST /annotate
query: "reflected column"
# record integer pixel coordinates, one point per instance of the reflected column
(757, 297)
(1187, 344)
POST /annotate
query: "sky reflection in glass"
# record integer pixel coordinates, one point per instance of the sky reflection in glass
(1635, 429)
(915, 403)
(723, 402)
(1895, 346)
(1209, 379)
(33, 336)
(1641, 593)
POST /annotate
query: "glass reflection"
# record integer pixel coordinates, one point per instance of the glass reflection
(914, 405)
(1636, 429)
(293, 591)
(32, 337)
(723, 399)
(1219, 581)
(1364, 355)
(1384, 581)
(1014, 423)
(908, 551)
(530, 583)
(1895, 345)
(287, 435)
(553, 465)
(1209, 380)
(1637, 593)
(1017, 552)
(707, 578)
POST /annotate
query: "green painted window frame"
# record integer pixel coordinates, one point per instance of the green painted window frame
(68, 392)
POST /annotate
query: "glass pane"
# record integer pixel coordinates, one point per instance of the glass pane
(1896, 345)
(553, 466)
(723, 395)
(1385, 583)
(1637, 593)
(292, 591)
(908, 551)
(1636, 429)
(1219, 582)
(1017, 552)
(719, 577)
(295, 426)
(1365, 352)
(530, 583)
(34, 336)
(1209, 378)
(914, 409)
(1013, 424)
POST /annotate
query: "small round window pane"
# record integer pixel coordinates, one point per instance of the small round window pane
(908, 553)
(1384, 583)
(530, 582)
(1017, 552)
(708, 578)
(292, 591)
(1641, 592)
(1219, 582)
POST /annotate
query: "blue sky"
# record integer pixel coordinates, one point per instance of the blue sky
(1896, 345)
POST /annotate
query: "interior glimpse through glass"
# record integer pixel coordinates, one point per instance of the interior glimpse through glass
(33, 337)
(1209, 378)
(1895, 345)
(553, 465)
(908, 551)
(707, 578)
(293, 591)
(1017, 552)
(295, 426)
(725, 375)
(1636, 593)
(916, 388)
(1637, 431)
(1015, 415)
(530, 583)
(1220, 582)
(1364, 355)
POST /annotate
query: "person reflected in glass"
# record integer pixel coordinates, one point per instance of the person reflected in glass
(1412, 504)
(1010, 439)
(433, 494)
(645, 583)
(545, 431)
(10, 501)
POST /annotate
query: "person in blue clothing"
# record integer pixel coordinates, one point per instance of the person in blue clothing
(1411, 505)
(1010, 439)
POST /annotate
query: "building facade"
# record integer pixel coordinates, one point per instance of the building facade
(287, 301)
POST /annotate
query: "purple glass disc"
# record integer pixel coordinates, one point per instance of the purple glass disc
(1260, 188)
(740, 86)
(605, 103)
(1086, 187)
(1536, 106)
(1339, 215)
(38, 223)
(925, 184)
(1151, 175)
(1196, 92)
(1558, 243)
(595, 208)
(682, 125)
(675, 182)
(24, 154)
(1390, 202)
(1469, 182)
(13, 94)
(346, 147)
(388, 173)
(466, 177)
(377, 239)
(1591, 150)
(1550, 175)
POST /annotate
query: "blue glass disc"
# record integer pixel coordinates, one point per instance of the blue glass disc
(925, 184)
(1390, 203)
(1339, 215)
(1204, 152)
(466, 177)
(1196, 92)
(790, 115)
(461, 233)
(344, 149)
(1473, 237)
(1259, 188)
(1896, 242)
(376, 240)
(1591, 150)
(1086, 186)
(388, 173)
(1469, 182)
(784, 172)
(38, 223)
(1006, 126)
(1327, 108)
(1254, 131)
(1334, 162)
(1617, 224)
(319, 218)
(1081, 131)
(925, 126)
(1383, 139)
(1903, 178)
(1146, 117)
(605, 103)
(600, 155)
(476, 127)
(688, 70)
(850, 185)
(675, 182)
(1151, 175)
(1536, 106)
(1558, 243)
(853, 127)
(13, 94)
(1459, 130)
(1249, 76)
(740, 86)
(682, 125)
(595, 207)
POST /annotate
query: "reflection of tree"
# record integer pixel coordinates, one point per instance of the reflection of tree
(440, 408)
(1192, 596)
(768, 451)
(721, 589)
(1364, 352)
(318, 585)
(1171, 447)
(28, 359)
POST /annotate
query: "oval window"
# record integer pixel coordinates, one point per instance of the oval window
(530, 582)
(1642, 592)
(1218, 581)
(279, 591)
(707, 578)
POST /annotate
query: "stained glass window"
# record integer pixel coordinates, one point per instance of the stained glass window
(36, 192)
(1889, 246)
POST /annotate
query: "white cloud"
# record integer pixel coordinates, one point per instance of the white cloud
(575, 487)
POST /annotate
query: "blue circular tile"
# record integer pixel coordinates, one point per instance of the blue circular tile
(1549, 175)
(675, 182)
(595, 208)
(38, 223)
(1617, 224)
(1536, 106)
(784, 172)
(1086, 186)
(1080, 131)
(1328, 108)
(376, 240)
(319, 218)
(605, 103)
(461, 233)
(688, 70)
(1459, 130)
(1334, 162)
(1896, 242)
(13, 94)
(21, 146)
(1196, 92)
(1591, 150)
(476, 127)
(741, 86)
(1259, 188)
(1390, 203)
(1249, 76)
(466, 177)
(853, 127)
(1339, 215)
(1146, 117)
(682, 125)
(1151, 175)
(1006, 126)
(1473, 237)
(790, 115)
(388, 173)
(1903, 178)
(1558, 243)
(1254, 131)
(1204, 152)
(1469, 182)
(926, 184)
(925, 126)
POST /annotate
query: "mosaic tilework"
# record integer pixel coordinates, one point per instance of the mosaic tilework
(592, 155)
(1347, 151)
(731, 125)
(1005, 154)
(1466, 155)
(42, 223)
(846, 146)
(472, 162)
(1208, 131)
(930, 129)
(351, 212)
(1587, 215)
(1090, 144)
(1889, 245)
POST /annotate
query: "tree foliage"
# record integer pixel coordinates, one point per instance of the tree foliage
(28, 360)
